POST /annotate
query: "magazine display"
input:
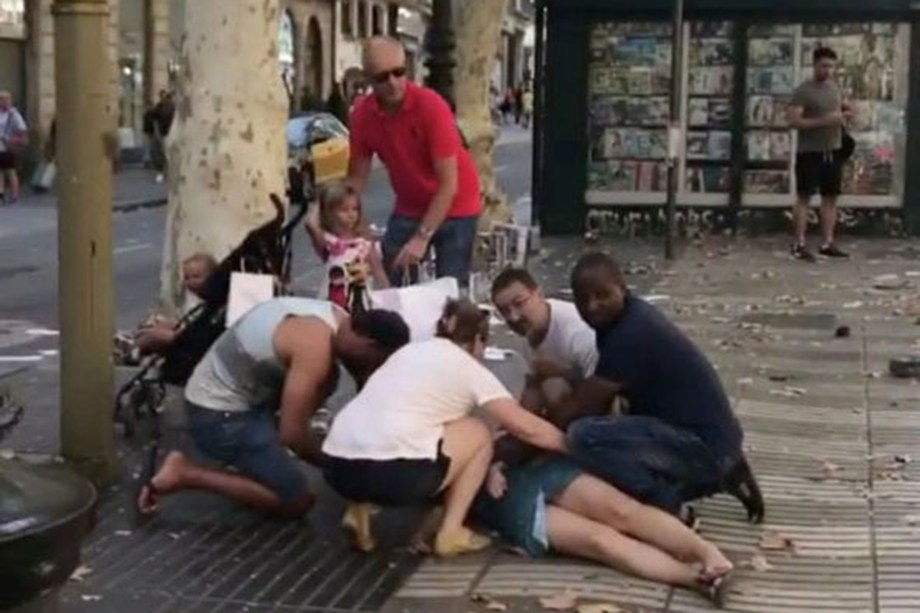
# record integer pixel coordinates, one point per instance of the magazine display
(866, 76)
(710, 81)
(771, 79)
(629, 102)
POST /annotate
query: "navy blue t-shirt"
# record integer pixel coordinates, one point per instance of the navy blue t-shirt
(666, 376)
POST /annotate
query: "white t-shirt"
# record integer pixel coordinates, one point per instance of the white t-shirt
(11, 124)
(569, 342)
(402, 410)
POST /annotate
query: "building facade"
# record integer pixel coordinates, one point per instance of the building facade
(319, 43)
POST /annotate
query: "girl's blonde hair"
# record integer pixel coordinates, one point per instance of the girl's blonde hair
(463, 322)
(331, 196)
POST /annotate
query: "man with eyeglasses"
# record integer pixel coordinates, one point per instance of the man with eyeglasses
(563, 346)
(413, 132)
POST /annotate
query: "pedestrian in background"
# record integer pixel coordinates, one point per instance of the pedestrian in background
(13, 136)
(819, 113)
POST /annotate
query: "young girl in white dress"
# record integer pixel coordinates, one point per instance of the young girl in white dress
(350, 254)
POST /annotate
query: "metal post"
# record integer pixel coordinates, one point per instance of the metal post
(536, 122)
(84, 151)
(440, 45)
(674, 131)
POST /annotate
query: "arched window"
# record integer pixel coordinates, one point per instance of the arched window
(376, 20)
(286, 53)
(362, 19)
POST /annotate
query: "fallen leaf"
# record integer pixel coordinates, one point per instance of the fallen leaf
(600, 607)
(491, 604)
(90, 598)
(566, 601)
(774, 541)
(912, 520)
(760, 563)
(80, 573)
(830, 469)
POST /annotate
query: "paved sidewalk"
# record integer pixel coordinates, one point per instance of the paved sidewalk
(825, 425)
(131, 188)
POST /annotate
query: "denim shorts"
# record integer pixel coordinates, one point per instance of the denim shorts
(248, 441)
(520, 515)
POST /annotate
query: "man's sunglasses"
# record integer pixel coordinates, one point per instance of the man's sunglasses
(383, 77)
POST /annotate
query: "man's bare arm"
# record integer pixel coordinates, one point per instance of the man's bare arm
(446, 171)
(359, 169)
(309, 366)
(795, 118)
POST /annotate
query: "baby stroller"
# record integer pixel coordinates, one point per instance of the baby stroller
(265, 250)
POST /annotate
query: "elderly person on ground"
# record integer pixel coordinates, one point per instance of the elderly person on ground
(413, 132)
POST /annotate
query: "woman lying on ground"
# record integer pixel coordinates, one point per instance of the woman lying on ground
(408, 437)
(550, 504)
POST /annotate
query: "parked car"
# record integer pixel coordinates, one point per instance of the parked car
(304, 131)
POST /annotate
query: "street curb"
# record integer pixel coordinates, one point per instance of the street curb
(127, 207)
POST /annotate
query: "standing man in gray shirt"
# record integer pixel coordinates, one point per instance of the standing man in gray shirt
(819, 114)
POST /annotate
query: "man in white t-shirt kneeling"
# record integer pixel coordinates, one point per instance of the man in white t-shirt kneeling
(563, 346)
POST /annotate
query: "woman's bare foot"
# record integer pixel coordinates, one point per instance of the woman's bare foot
(715, 564)
(167, 480)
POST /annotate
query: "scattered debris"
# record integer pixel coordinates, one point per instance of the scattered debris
(746, 381)
(831, 470)
(599, 607)
(905, 366)
(890, 282)
(123, 533)
(566, 601)
(790, 392)
(7, 454)
(80, 573)
(90, 597)
(912, 520)
(490, 603)
(758, 563)
(774, 541)
(842, 332)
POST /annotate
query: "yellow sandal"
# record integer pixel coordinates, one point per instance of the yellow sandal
(357, 520)
(464, 541)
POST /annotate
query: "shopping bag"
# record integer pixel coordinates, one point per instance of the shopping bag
(420, 306)
(247, 290)
(44, 176)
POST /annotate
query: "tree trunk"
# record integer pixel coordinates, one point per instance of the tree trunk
(478, 26)
(226, 149)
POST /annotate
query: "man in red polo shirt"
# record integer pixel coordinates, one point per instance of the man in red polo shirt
(413, 131)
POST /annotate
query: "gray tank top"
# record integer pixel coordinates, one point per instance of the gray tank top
(241, 371)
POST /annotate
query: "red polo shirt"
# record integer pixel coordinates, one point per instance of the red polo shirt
(408, 142)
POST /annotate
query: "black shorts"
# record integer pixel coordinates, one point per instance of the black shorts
(7, 160)
(388, 483)
(818, 172)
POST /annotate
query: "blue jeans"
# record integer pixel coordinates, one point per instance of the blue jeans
(647, 458)
(248, 441)
(453, 244)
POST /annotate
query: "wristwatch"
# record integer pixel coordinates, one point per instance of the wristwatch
(424, 232)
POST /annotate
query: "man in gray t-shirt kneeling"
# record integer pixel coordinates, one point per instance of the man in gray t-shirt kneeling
(819, 114)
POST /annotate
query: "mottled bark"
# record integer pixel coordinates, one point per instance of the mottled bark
(226, 149)
(478, 25)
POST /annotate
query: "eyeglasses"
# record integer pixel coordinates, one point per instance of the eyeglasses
(383, 77)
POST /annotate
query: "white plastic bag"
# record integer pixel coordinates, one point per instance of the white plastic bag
(419, 305)
(246, 291)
